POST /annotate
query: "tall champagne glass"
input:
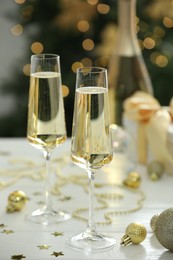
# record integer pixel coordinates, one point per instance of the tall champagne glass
(46, 124)
(91, 146)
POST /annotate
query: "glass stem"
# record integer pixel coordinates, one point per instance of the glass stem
(91, 223)
(48, 201)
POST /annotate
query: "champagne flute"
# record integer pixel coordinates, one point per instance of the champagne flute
(46, 123)
(91, 146)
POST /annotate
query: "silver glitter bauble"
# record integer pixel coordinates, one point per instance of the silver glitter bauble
(153, 222)
(155, 170)
(164, 228)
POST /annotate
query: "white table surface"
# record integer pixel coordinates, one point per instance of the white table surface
(15, 154)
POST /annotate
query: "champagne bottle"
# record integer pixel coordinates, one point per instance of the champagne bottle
(127, 72)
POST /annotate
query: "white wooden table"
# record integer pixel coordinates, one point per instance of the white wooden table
(19, 237)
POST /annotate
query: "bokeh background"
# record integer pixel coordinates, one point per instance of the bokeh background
(82, 32)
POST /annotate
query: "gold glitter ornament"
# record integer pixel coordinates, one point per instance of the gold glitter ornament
(155, 170)
(16, 201)
(133, 180)
(135, 234)
(164, 228)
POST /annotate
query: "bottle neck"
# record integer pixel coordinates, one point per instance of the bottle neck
(127, 16)
(127, 26)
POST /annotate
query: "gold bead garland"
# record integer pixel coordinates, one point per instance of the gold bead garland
(34, 170)
(22, 167)
(110, 215)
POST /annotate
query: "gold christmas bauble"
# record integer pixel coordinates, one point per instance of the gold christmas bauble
(164, 228)
(133, 180)
(16, 201)
(135, 234)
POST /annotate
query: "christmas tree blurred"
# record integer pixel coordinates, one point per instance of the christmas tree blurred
(83, 32)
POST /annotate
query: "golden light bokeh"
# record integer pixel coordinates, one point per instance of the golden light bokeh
(143, 26)
(27, 12)
(159, 59)
(88, 44)
(17, 30)
(86, 62)
(20, 1)
(141, 44)
(168, 22)
(92, 2)
(26, 69)
(76, 65)
(101, 61)
(162, 61)
(103, 8)
(159, 31)
(149, 43)
(83, 26)
(154, 56)
(37, 47)
(65, 90)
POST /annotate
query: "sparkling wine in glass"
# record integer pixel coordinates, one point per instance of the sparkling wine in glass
(46, 124)
(91, 146)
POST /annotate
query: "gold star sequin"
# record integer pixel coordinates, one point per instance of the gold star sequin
(17, 257)
(7, 231)
(65, 198)
(56, 234)
(43, 247)
(56, 254)
(37, 193)
(40, 202)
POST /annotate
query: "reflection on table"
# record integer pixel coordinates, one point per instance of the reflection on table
(116, 206)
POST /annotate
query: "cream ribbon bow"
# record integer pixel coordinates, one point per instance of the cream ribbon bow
(153, 123)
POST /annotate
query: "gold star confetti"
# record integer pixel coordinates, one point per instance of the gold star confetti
(56, 254)
(37, 193)
(43, 247)
(7, 231)
(40, 202)
(17, 257)
(56, 234)
(65, 198)
(2, 225)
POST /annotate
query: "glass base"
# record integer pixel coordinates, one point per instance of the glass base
(46, 216)
(91, 242)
